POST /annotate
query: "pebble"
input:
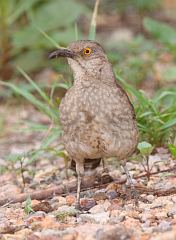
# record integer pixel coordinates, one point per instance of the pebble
(146, 227)
(97, 209)
(164, 226)
(150, 198)
(117, 233)
(172, 212)
(117, 219)
(33, 217)
(42, 206)
(100, 195)
(65, 210)
(171, 235)
(174, 199)
(157, 205)
(87, 203)
(147, 216)
(101, 218)
(70, 200)
(58, 201)
(130, 166)
(112, 194)
(115, 174)
(161, 215)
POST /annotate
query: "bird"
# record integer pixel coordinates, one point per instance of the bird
(97, 117)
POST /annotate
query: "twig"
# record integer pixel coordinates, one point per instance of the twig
(22, 172)
(71, 187)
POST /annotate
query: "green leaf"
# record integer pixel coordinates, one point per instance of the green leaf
(59, 13)
(19, 8)
(28, 206)
(145, 148)
(31, 98)
(169, 74)
(172, 149)
(30, 60)
(161, 31)
(169, 124)
(36, 87)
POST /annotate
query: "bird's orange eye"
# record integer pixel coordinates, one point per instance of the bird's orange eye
(87, 51)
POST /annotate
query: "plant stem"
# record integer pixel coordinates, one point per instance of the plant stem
(5, 69)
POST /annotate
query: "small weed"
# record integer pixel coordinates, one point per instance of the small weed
(145, 150)
(28, 206)
(156, 117)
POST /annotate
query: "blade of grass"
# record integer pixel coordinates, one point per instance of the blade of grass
(76, 31)
(27, 95)
(55, 44)
(92, 30)
(36, 87)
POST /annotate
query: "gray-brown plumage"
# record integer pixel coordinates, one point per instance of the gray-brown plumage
(97, 117)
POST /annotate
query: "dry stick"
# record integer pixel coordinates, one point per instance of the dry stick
(71, 187)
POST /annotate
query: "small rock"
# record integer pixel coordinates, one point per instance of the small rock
(100, 195)
(157, 205)
(164, 226)
(37, 216)
(174, 199)
(61, 200)
(161, 215)
(118, 219)
(117, 233)
(21, 234)
(112, 186)
(172, 212)
(87, 203)
(133, 214)
(42, 206)
(101, 218)
(115, 174)
(130, 166)
(171, 235)
(106, 204)
(65, 211)
(147, 216)
(97, 209)
(70, 200)
(146, 227)
(150, 198)
(58, 202)
(112, 194)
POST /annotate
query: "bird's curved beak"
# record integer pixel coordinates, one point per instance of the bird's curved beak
(62, 52)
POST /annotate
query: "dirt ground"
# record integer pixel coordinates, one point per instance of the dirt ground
(107, 210)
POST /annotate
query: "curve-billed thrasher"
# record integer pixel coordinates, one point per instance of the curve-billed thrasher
(97, 117)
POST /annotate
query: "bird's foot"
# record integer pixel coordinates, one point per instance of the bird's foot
(135, 196)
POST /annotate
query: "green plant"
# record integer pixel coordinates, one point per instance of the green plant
(44, 104)
(145, 150)
(162, 32)
(172, 149)
(28, 206)
(156, 117)
(21, 25)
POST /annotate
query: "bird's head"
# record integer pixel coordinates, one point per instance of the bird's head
(85, 57)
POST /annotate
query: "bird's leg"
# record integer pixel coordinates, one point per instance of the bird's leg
(80, 172)
(134, 192)
(105, 169)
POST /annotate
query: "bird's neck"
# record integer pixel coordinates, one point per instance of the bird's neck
(100, 74)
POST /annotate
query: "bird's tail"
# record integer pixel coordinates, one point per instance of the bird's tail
(88, 164)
